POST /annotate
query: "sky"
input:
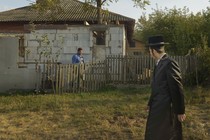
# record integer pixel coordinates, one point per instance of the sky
(126, 8)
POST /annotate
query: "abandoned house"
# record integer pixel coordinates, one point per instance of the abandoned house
(28, 37)
(136, 48)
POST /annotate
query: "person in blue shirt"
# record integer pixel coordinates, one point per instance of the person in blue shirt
(78, 58)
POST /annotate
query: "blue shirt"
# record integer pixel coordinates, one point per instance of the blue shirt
(77, 59)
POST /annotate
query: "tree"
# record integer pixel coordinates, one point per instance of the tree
(182, 29)
(54, 5)
(187, 33)
(100, 3)
(206, 27)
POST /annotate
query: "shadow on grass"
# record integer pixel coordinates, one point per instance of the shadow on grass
(21, 92)
(126, 89)
(123, 89)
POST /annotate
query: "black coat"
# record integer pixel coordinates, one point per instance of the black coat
(166, 102)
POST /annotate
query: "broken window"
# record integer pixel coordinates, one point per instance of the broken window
(21, 47)
(99, 37)
(76, 38)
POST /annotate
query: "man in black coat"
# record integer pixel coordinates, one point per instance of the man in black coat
(166, 103)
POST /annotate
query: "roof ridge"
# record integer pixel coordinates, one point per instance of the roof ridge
(73, 11)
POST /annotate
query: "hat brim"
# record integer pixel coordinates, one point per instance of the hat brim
(157, 44)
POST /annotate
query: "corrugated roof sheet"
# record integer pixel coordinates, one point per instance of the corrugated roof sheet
(72, 10)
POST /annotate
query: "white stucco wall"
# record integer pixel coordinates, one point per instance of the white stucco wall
(66, 42)
(12, 77)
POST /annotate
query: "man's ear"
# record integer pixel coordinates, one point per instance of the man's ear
(152, 50)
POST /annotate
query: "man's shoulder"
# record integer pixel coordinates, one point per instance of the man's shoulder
(169, 61)
(75, 55)
(172, 62)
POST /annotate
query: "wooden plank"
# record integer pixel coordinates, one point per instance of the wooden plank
(82, 71)
(68, 79)
(72, 78)
(57, 78)
(60, 80)
(75, 79)
(65, 74)
(43, 76)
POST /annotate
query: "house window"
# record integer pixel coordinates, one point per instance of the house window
(21, 47)
(133, 44)
(76, 38)
(99, 37)
(137, 53)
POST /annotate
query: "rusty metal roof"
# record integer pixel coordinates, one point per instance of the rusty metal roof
(72, 10)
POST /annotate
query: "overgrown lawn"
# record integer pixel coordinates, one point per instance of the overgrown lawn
(112, 114)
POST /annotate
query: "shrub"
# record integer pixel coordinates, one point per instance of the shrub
(203, 74)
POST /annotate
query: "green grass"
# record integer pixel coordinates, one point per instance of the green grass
(111, 114)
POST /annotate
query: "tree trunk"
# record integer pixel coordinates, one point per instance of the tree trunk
(99, 14)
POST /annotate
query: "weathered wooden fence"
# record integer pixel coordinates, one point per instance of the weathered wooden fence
(129, 69)
(68, 78)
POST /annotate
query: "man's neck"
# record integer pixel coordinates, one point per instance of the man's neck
(160, 55)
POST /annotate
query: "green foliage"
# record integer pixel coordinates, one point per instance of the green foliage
(204, 67)
(100, 3)
(182, 29)
(191, 79)
(137, 3)
(206, 27)
(196, 95)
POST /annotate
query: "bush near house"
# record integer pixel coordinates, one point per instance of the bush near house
(201, 75)
(113, 114)
(204, 67)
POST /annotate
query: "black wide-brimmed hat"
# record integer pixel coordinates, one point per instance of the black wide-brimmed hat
(156, 41)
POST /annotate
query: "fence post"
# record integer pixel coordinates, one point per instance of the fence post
(57, 78)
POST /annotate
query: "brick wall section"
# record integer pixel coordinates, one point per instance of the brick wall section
(11, 27)
(24, 27)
